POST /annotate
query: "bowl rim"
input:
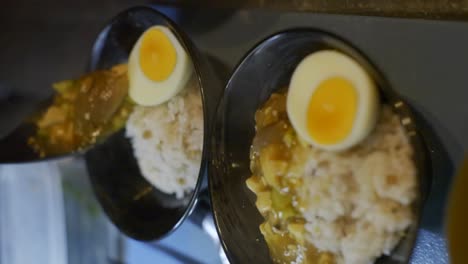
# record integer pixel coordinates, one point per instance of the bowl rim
(399, 106)
(196, 57)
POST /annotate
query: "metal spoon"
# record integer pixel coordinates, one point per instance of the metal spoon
(15, 107)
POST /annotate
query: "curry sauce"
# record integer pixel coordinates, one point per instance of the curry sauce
(82, 112)
(274, 153)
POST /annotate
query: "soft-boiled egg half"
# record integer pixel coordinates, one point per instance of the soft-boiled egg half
(332, 102)
(158, 67)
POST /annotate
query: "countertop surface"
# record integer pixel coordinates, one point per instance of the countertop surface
(427, 9)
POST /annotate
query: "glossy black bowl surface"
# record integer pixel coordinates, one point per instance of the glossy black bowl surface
(264, 70)
(132, 203)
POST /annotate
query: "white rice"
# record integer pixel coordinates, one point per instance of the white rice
(359, 201)
(167, 141)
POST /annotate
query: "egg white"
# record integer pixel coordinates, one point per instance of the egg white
(147, 92)
(318, 67)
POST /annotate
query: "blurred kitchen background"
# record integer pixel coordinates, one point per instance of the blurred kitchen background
(48, 214)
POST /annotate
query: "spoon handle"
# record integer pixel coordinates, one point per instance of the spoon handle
(14, 108)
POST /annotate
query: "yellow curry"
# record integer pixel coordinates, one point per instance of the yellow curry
(277, 200)
(83, 111)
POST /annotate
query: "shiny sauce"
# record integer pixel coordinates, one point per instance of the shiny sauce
(83, 111)
(274, 180)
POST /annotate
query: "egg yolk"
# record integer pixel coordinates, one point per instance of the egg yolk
(157, 55)
(332, 110)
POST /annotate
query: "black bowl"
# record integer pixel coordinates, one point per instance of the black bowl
(264, 70)
(132, 203)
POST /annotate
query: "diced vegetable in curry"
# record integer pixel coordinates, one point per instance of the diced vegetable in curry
(83, 111)
(274, 184)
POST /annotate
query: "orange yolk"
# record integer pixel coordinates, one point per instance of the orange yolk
(157, 55)
(332, 110)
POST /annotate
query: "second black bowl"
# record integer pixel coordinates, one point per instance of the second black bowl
(135, 206)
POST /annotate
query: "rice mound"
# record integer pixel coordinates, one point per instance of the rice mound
(359, 201)
(167, 140)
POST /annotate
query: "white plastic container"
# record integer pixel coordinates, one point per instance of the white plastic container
(32, 221)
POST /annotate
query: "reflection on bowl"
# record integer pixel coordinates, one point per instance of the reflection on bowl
(264, 70)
